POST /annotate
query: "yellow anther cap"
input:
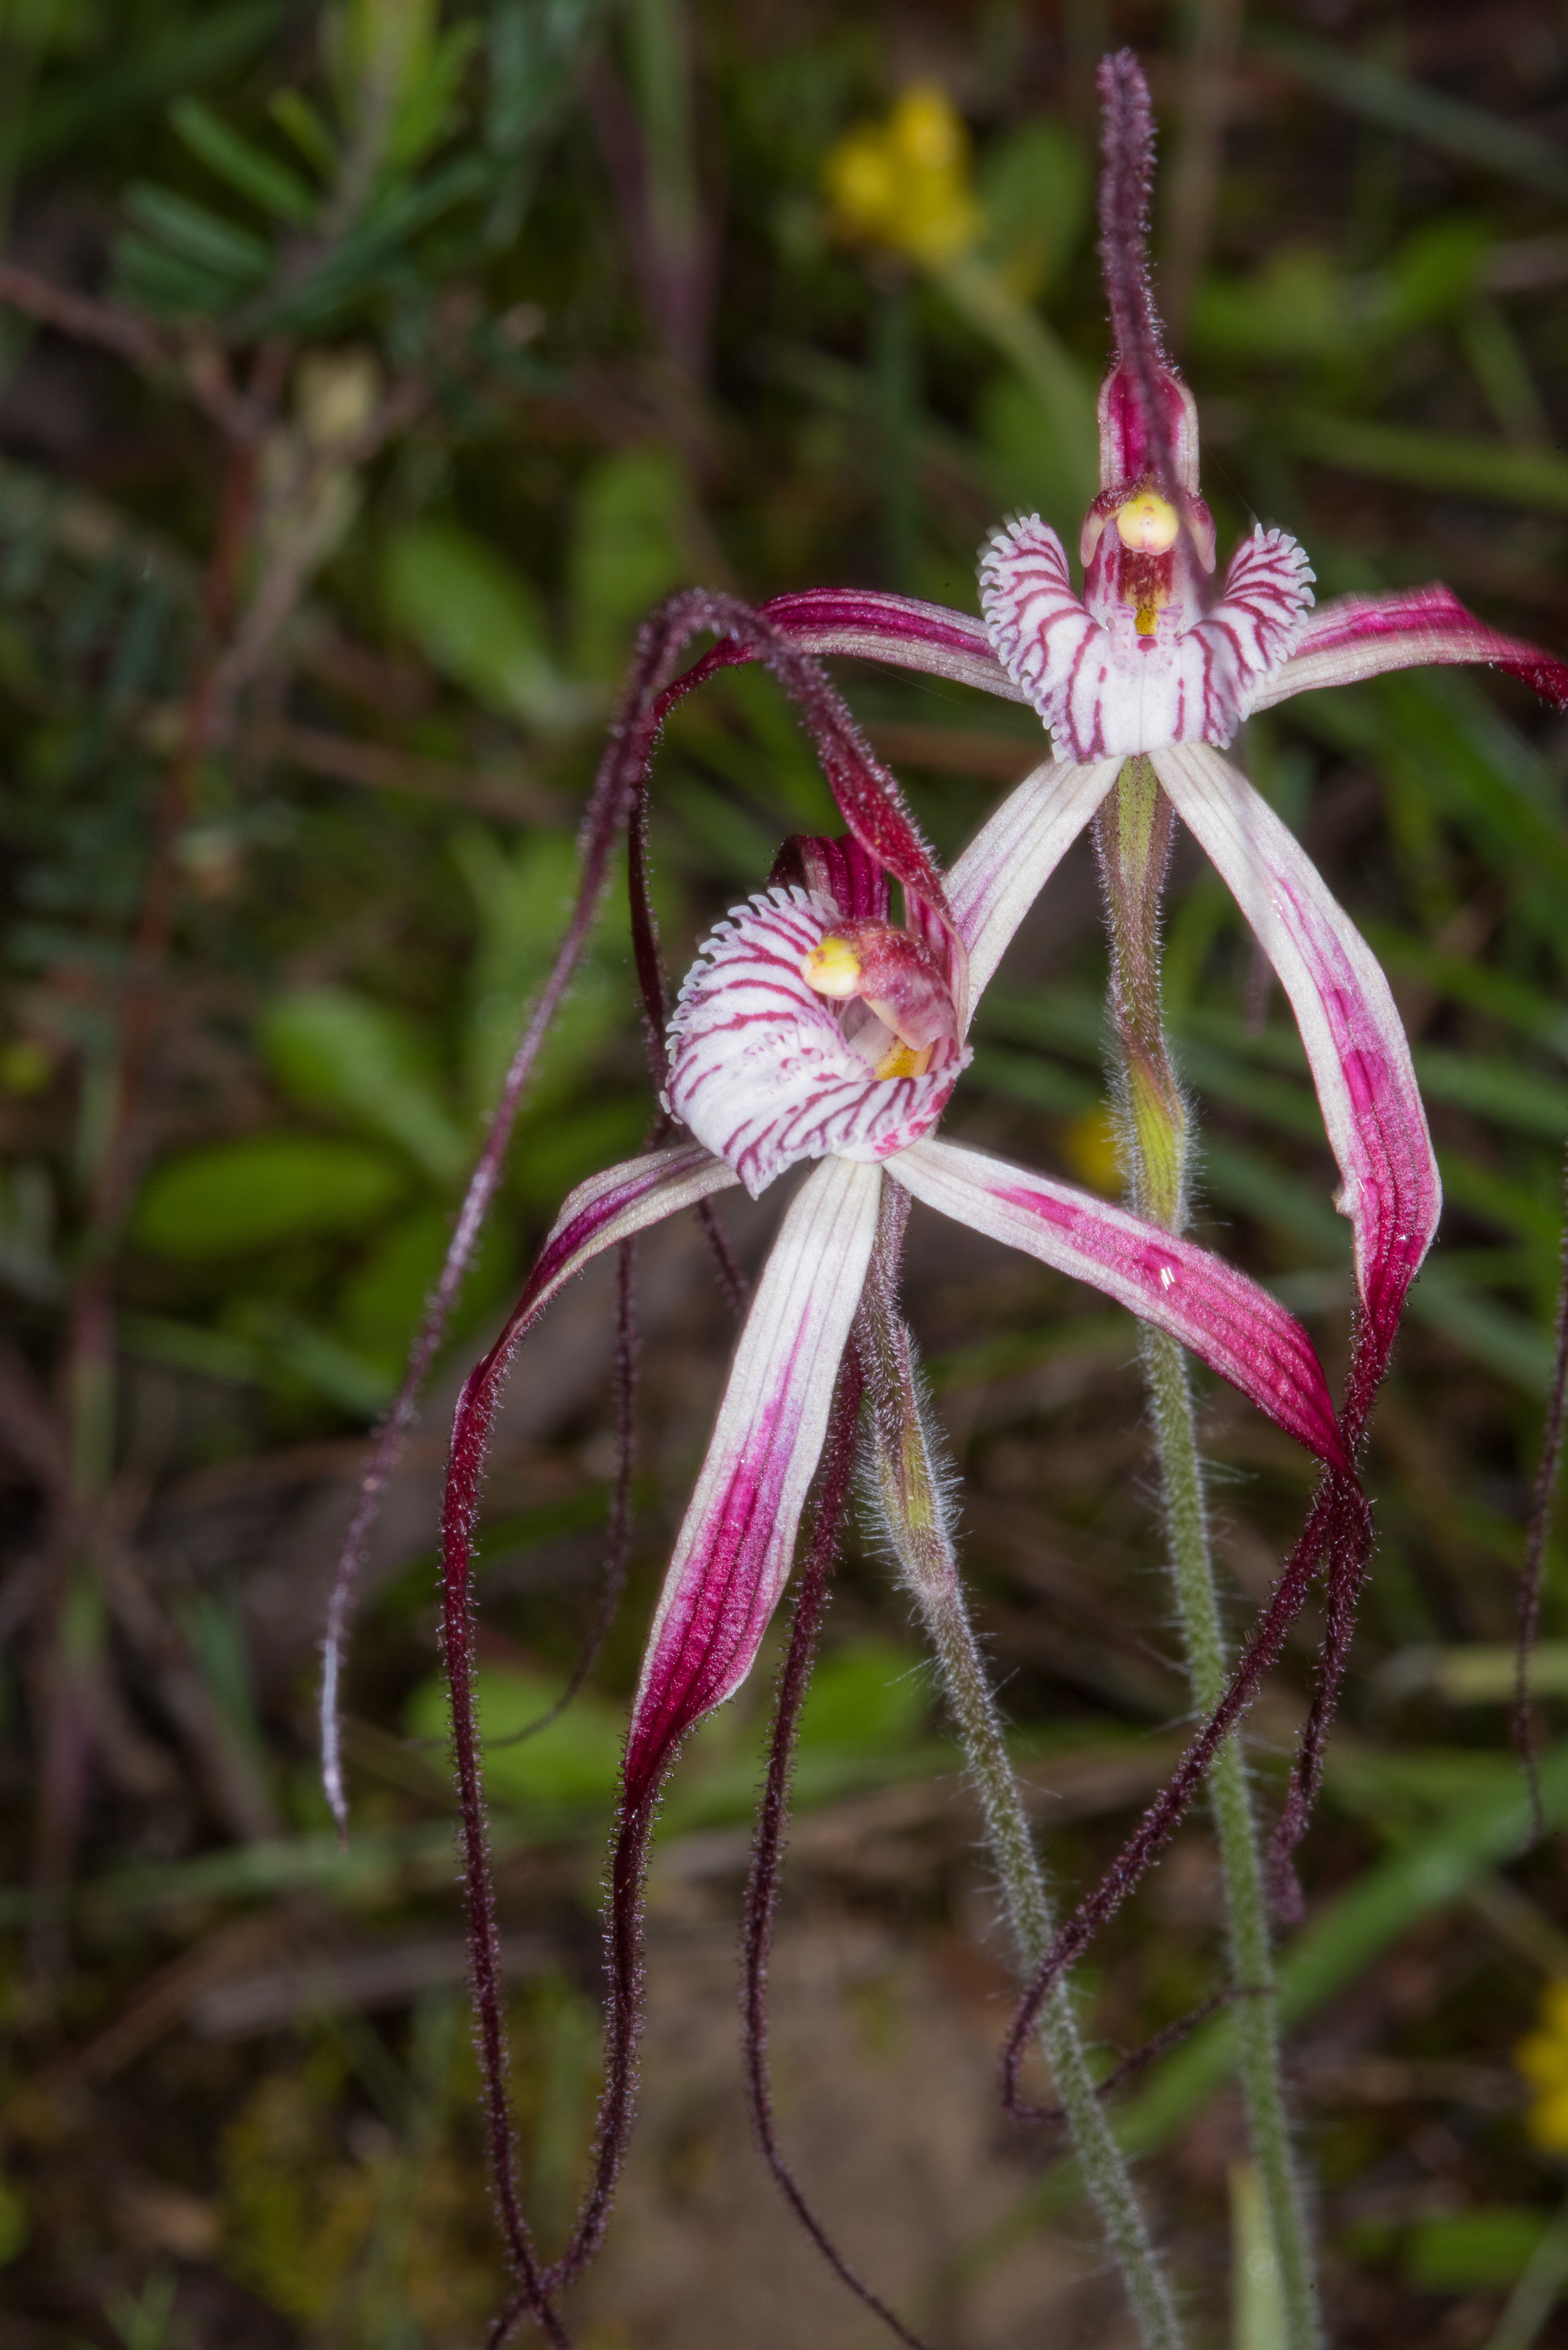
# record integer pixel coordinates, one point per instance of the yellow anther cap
(832, 968)
(1147, 524)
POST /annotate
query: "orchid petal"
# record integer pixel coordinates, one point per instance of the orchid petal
(609, 1208)
(1354, 1041)
(900, 630)
(735, 1547)
(1231, 1324)
(762, 1068)
(1013, 855)
(1357, 636)
(865, 625)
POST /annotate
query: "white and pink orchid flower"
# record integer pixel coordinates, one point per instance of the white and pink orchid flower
(1146, 660)
(766, 1070)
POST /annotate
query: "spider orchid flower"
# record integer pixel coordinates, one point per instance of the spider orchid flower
(1152, 658)
(812, 1028)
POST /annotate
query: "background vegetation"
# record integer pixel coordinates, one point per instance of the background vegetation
(367, 371)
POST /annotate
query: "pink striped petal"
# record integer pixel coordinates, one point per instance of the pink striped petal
(1357, 636)
(611, 1207)
(1105, 692)
(900, 630)
(735, 1547)
(763, 1071)
(1353, 1035)
(1013, 855)
(861, 623)
(1231, 1324)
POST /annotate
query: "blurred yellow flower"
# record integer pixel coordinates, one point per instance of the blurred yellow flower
(905, 182)
(1093, 1147)
(1542, 2058)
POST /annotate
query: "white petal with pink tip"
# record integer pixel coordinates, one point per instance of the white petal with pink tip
(1350, 1025)
(761, 1069)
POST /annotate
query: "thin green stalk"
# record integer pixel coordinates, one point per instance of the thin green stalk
(1133, 840)
(909, 1488)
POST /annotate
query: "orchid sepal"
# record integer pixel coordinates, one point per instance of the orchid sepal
(1350, 1025)
(1226, 1319)
(736, 1544)
(997, 878)
(1358, 636)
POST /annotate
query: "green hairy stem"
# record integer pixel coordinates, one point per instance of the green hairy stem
(1133, 836)
(907, 1486)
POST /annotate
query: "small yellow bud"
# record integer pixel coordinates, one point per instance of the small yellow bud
(1147, 524)
(1092, 1146)
(905, 182)
(832, 968)
(1541, 2057)
(925, 130)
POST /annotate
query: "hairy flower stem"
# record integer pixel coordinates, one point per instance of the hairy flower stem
(907, 1486)
(1132, 839)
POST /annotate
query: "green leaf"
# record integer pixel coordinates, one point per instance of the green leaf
(1519, 1350)
(576, 1761)
(336, 1051)
(870, 1696)
(1472, 2251)
(1521, 1098)
(231, 1197)
(479, 622)
(372, 255)
(1449, 124)
(1499, 470)
(298, 119)
(248, 169)
(153, 279)
(429, 104)
(1298, 305)
(1034, 187)
(187, 1347)
(1031, 465)
(194, 234)
(520, 896)
(1501, 996)
(15, 2226)
(1028, 1078)
(1301, 306)
(296, 1353)
(144, 73)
